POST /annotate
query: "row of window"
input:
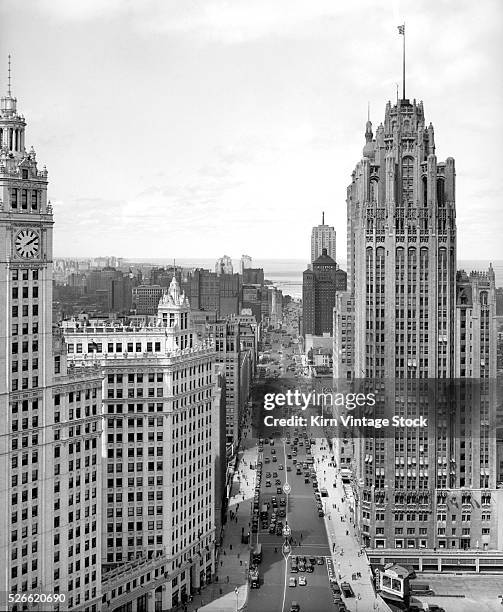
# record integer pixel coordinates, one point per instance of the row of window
(25, 311)
(117, 347)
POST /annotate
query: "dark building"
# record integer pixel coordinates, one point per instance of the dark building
(252, 299)
(319, 287)
(253, 276)
(341, 280)
(214, 292)
(230, 294)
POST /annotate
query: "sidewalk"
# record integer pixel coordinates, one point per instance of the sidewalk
(347, 554)
(233, 556)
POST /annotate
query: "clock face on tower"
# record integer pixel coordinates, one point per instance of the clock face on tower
(27, 243)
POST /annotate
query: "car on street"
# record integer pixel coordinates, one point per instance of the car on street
(321, 560)
(274, 459)
(302, 566)
(267, 483)
(347, 589)
(275, 474)
(288, 468)
(278, 482)
(302, 581)
(294, 607)
(292, 582)
(279, 490)
(268, 474)
(280, 467)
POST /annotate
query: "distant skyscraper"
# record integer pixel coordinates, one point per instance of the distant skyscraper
(322, 237)
(246, 262)
(319, 288)
(224, 265)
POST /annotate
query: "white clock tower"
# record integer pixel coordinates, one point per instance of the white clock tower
(50, 421)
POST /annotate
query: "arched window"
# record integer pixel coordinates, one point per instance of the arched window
(483, 298)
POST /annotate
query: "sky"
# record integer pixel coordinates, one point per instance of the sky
(190, 128)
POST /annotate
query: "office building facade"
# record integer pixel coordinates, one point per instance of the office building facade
(50, 431)
(161, 433)
(419, 487)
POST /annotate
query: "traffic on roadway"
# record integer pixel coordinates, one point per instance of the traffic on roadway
(291, 558)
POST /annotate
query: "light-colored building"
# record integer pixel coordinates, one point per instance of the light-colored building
(343, 336)
(50, 430)
(223, 265)
(162, 441)
(246, 262)
(323, 237)
(418, 487)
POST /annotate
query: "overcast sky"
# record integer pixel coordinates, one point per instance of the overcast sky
(195, 128)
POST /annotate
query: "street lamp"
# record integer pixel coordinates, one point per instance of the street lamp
(237, 598)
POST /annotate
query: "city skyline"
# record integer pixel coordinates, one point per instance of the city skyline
(209, 171)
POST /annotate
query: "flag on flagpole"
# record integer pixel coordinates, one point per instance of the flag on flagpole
(401, 29)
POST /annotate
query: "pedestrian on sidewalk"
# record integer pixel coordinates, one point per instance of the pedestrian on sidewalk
(230, 546)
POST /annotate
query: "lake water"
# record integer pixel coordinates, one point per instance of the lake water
(286, 274)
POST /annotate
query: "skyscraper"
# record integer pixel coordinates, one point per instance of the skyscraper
(50, 426)
(223, 265)
(319, 286)
(402, 284)
(322, 237)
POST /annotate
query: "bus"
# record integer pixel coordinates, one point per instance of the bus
(254, 578)
(257, 555)
(346, 474)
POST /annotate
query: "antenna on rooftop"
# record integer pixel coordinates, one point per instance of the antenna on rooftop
(8, 81)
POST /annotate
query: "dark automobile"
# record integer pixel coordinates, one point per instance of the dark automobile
(320, 561)
(347, 590)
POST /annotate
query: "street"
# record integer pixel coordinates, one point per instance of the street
(308, 539)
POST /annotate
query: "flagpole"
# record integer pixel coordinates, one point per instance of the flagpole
(403, 74)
